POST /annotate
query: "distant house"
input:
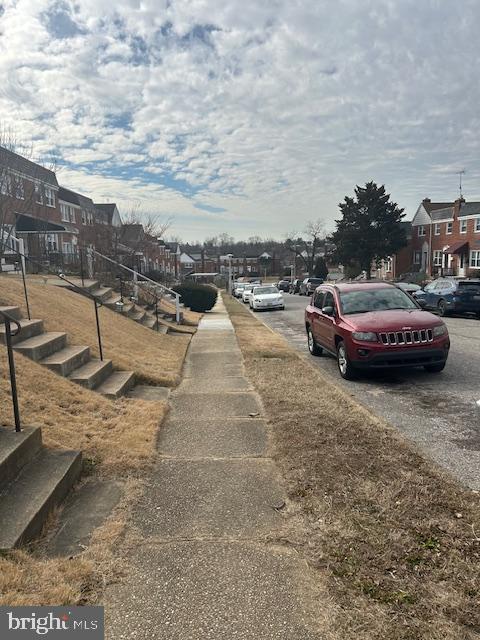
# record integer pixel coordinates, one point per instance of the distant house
(107, 214)
(29, 205)
(446, 238)
(399, 263)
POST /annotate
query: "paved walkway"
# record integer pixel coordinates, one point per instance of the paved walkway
(203, 562)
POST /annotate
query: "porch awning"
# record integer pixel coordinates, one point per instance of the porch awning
(457, 247)
(29, 224)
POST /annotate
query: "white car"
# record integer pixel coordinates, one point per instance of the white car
(266, 298)
(247, 292)
(238, 289)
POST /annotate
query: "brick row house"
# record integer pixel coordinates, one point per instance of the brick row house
(54, 222)
(446, 238)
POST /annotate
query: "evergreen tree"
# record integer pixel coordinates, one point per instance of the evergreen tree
(369, 229)
(320, 270)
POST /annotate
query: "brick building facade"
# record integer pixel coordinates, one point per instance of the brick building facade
(446, 238)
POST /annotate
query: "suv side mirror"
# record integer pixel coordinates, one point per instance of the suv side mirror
(328, 311)
(421, 302)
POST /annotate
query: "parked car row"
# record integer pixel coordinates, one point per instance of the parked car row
(259, 296)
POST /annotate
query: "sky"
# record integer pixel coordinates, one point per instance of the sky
(244, 116)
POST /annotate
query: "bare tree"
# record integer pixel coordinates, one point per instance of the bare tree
(304, 247)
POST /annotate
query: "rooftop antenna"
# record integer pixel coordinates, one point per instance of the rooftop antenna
(460, 174)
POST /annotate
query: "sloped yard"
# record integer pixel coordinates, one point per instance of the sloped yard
(155, 358)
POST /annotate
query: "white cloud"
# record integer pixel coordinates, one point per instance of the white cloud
(273, 110)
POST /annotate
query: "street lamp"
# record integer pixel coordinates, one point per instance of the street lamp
(229, 256)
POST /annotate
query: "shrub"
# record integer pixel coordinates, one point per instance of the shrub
(198, 297)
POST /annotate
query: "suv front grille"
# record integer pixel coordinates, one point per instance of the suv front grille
(420, 336)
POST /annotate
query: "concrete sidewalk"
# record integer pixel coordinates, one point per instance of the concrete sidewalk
(202, 561)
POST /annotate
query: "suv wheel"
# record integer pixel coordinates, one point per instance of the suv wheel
(347, 371)
(313, 347)
(435, 368)
(442, 308)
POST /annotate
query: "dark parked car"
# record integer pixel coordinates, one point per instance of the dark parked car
(409, 287)
(373, 325)
(283, 285)
(295, 286)
(449, 295)
(309, 285)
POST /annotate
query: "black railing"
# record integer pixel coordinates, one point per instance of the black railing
(96, 301)
(138, 292)
(8, 320)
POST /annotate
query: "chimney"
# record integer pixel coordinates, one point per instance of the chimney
(426, 200)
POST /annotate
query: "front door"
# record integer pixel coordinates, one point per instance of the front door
(462, 265)
(326, 324)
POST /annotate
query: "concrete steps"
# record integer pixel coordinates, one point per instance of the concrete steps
(138, 315)
(50, 349)
(15, 312)
(92, 374)
(33, 481)
(42, 345)
(29, 328)
(67, 360)
(102, 293)
(117, 384)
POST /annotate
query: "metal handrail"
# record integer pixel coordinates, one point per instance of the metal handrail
(8, 320)
(97, 301)
(137, 275)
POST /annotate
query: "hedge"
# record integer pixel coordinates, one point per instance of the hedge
(198, 297)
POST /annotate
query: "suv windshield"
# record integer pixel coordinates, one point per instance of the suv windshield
(365, 300)
(264, 290)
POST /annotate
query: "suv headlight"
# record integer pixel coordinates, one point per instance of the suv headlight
(365, 336)
(440, 330)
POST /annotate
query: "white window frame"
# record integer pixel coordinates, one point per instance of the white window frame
(475, 259)
(422, 231)
(72, 214)
(49, 197)
(38, 193)
(449, 228)
(437, 228)
(64, 212)
(6, 185)
(463, 229)
(438, 258)
(19, 188)
(477, 225)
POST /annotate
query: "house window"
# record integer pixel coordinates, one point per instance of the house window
(475, 259)
(72, 214)
(52, 244)
(477, 225)
(437, 258)
(437, 229)
(49, 197)
(19, 189)
(64, 212)
(449, 227)
(67, 247)
(417, 257)
(84, 217)
(6, 185)
(38, 193)
(388, 264)
(421, 230)
(463, 226)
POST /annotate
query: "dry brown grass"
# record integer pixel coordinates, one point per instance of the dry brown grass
(155, 358)
(396, 539)
(118, 436)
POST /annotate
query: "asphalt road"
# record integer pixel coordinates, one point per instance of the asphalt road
(439, 412)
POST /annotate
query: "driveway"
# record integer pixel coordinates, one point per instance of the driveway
(439, 412)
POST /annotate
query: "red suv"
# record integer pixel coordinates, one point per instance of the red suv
(374, 325)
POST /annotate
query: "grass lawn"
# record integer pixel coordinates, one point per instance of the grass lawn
(155, 358)
(394, 539)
